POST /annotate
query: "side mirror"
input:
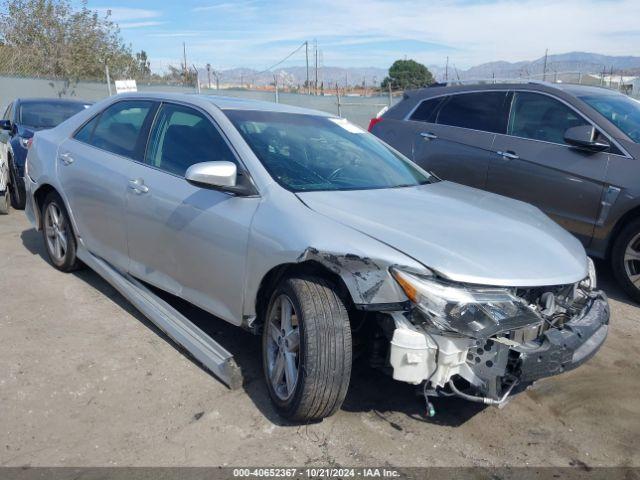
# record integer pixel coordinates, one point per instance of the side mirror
(584, 137)
(6, 125)
(212, 174)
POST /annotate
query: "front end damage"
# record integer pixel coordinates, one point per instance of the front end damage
(482, 344)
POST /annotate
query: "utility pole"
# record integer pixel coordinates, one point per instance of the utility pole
(106, 71)
(197, 79)
(275, 83)
(209, 76)
(446, 71)
(306, 52)
(610, 75)
(544, 67)
(184, 65)
(316, 83)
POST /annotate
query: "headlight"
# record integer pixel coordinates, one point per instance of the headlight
(477, 312)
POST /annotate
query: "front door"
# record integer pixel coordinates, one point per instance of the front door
(188, 240)
(93, 168)
(534, 164)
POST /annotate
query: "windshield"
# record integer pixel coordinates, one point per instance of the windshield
(47, 114)
(310, 153)
(622, 111)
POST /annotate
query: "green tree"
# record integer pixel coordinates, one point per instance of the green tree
(52, 39)
(407, 74)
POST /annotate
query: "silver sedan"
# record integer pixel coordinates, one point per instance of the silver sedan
(302, 227)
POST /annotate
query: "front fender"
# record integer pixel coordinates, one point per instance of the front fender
(285, 231)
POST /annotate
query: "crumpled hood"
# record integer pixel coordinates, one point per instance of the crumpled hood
(462, 233)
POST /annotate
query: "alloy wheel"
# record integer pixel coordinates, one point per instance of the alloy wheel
(632, 260)
(283, 347)
(55, 231)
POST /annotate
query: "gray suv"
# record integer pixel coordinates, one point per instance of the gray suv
(571, 150)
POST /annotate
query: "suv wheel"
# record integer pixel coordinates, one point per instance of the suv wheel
(625, 258)
(58, 235)
(306, 349)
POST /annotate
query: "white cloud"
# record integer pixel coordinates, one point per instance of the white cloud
(246, 33)
(126, 25)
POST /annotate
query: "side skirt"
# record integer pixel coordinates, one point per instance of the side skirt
(213, 356)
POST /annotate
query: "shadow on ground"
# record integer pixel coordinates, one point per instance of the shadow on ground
(369, 391)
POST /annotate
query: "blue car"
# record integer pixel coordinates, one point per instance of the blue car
(21, 119)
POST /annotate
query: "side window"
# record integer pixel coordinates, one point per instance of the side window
(426, 111)
(7, 112)
(540, 117)
(86, 132)
(118, 128)
(183, 136)
(485, 111)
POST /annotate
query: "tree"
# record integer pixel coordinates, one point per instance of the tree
(407, 74)
(52, 39)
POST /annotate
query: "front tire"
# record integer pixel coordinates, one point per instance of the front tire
(306, 349)
(625, 259)
(59, 239)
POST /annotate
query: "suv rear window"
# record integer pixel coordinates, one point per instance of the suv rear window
(426, 111)
(485, 111)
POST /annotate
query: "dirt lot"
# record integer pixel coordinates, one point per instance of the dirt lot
(85, 380)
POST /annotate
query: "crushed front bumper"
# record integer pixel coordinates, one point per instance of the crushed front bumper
(567, 348)
(492, 366)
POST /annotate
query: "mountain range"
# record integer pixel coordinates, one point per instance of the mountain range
(559, 64)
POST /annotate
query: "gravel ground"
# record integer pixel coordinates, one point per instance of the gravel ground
(85, 380)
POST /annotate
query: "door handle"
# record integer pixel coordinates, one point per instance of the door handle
(428, 135)
(138, 186)
(509, 155)
(66, 158)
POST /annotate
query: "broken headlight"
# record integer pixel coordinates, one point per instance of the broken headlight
(473, 311)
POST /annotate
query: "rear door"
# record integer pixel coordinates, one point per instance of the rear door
(453, 135)
(534, 164)
(188, 240)
(93, 168)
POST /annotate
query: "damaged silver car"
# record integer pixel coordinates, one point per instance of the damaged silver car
(304, 228)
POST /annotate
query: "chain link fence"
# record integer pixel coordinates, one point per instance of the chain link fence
(356, 104)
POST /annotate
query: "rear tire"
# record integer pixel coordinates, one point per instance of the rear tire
(57, 232)
(5, 203)
(306, 359)
(625, 259)
(18, 193)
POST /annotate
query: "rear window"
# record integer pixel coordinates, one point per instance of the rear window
(485, 111)
(47, 114)
(117, 129)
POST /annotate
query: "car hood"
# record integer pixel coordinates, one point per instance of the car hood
(462, 233)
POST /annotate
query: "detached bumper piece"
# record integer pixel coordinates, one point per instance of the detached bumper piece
(567, 348)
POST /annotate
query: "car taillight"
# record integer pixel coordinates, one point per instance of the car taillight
(374, 121)
(29, 143)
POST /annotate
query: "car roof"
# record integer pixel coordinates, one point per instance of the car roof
(52, 100)
(227, 103)
(571, 89)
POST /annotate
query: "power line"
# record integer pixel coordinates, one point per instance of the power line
(283, 60)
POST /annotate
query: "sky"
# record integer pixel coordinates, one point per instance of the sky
(258, 33)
